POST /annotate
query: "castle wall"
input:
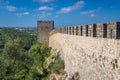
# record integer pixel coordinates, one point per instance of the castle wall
(93, 58)
(91, 50)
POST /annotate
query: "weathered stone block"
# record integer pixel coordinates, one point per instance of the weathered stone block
(101, 30)
(83, 30)
(113, 30)
(92, 30)
(79, 30)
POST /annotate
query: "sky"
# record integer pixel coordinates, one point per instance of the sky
(26, 13)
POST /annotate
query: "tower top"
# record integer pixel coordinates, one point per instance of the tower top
(43, 29)
(45, 21)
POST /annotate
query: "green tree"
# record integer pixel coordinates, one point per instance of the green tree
(57, 66)
(15, 60)
(40, 53)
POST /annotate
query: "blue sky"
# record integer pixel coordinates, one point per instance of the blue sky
(63, 12)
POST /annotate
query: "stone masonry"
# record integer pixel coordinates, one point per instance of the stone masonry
(92, 58)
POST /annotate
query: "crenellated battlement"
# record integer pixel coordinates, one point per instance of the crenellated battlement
(49, 21)
(106, 30)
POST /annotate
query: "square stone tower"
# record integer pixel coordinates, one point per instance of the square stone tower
(43, 30)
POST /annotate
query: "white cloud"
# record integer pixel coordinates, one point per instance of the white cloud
(92, 15)
(43, 15)
(23, 8)
(45, 8)
(26, 13)
(90, 12)
(69, 9)
(22, 14)
(11, 8)
(44, 1)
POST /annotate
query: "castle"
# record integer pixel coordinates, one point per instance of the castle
(106, 30)
(92, 51)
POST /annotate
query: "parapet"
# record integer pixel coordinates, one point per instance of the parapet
(109, 30)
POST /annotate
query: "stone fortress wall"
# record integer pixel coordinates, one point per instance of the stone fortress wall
(92, 50)
(92, 58)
